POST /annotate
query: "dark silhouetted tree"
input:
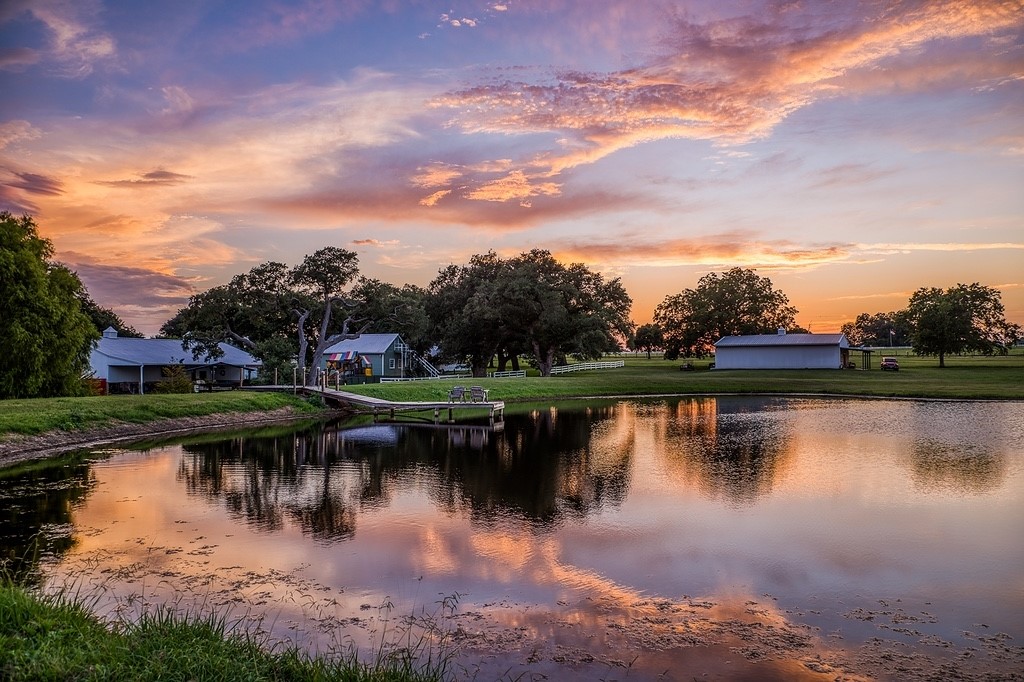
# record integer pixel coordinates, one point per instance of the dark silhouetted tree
(963, 318)
(648, 338)
(736, 302)
(46, 337)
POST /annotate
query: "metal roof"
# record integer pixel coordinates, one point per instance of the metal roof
(137, 352)
(782, 340)
(365, 344)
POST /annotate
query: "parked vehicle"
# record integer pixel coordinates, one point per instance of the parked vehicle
(890, 364)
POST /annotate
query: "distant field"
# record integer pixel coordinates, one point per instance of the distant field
(965, 377)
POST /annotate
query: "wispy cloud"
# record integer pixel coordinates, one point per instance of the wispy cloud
(146, 297)
(905, 247)
(12, 132)
(17, 58)
(158, 178)
(728, 81)
(77, 40)
(744, 249)
(726, 250)
(274, 22)
(37, 184)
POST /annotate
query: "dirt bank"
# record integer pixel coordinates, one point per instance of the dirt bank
(15, 449)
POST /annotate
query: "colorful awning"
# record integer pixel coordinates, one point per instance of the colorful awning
(345, 356)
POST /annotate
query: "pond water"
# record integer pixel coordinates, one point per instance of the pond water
(672, 539)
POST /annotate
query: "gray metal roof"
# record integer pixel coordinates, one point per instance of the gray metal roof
(365, 344)
(783, 340)
(137, 352)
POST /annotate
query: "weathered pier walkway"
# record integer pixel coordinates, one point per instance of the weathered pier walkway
(379, 406)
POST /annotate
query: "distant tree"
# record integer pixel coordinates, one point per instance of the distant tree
(253, 311)
(102, 318)
(391, 309)
(736, 302)
(46, 337)
(648, 337)
(879, 329)
(963, 318)
(464, 318)
(531, 304)
(569, 309)
(321, 277)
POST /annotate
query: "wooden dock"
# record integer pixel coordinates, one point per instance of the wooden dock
(379, 406)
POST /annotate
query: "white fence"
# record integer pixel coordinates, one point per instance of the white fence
(517, 374)
(385, 380)
(580, 366)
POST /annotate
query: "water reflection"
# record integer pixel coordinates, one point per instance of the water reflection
(576, 534)
(956, 448)
(541, 469)
(36, 506)
(726, 447)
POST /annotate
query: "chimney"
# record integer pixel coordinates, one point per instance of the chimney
(782, 331)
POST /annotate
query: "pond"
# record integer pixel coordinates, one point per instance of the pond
(671, 539)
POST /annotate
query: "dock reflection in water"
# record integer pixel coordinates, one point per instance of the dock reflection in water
(770, 537)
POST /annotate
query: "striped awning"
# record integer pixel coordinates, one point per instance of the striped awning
(346, 356)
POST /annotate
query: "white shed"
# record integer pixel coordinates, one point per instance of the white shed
(782, 351)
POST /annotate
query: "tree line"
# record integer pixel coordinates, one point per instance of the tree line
(966, 318)
(528, 307)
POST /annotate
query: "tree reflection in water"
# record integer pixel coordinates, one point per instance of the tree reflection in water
(540, 469)
(729, 447)
(36, 506)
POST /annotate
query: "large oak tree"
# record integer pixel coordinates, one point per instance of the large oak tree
(736, 302)
(963, 318)
(530, 304)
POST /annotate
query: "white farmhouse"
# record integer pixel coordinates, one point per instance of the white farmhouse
(782, 351)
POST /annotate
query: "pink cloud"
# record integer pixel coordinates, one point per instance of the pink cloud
(727, 81)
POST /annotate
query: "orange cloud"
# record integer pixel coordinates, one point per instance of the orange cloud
(711, 251)
(514, 186)
(435, 175)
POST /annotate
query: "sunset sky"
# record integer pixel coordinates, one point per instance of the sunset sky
(851, 151)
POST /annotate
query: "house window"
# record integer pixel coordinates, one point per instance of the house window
(391, 363)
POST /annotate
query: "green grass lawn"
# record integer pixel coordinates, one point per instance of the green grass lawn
(964, 377)
(39, 415)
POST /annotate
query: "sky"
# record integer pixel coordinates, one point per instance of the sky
(852, 152)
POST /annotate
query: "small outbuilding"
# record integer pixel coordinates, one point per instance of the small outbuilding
(384, 355)
(130, 365)
(782, 351)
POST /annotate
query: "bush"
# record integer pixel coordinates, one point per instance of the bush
(176, 380)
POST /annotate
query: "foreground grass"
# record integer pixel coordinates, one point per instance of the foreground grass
(40, 415)
(964, 377)
(56, 638)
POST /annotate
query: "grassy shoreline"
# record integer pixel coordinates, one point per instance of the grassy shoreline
(55, 637)
(58, 423)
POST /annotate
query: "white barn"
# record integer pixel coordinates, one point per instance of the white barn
(129, 365)
(782, 351)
